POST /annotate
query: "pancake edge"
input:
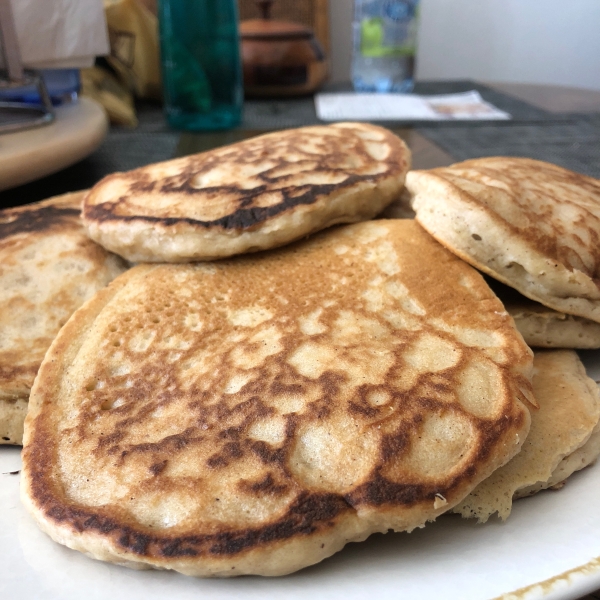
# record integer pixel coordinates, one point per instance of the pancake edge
(580, 458)
(553, 329)
(139, 240)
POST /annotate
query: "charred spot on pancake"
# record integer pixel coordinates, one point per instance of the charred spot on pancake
(229, 452)
(380, 491)
(393, 444)
(308, 514)
(244, 217)
(267, 454)
(159, 467)
(265, 486)
(35, 220)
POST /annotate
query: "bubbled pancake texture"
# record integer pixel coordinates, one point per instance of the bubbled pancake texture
(253, 195)
(48, 268)
(193, 419)
(569, 409)
(530, 224)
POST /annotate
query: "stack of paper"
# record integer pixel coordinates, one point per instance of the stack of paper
(350, 106)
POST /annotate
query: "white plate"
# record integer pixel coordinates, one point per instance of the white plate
(549, 548)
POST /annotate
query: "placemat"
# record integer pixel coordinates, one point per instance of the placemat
(278, 114)
(574, 145)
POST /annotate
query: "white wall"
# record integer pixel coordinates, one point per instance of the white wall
(529, 41)
(340, 30)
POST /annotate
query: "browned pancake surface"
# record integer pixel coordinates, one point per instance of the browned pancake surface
(254, 415)
(253, 195)
(556, 210)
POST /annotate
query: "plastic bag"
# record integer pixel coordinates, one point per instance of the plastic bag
(134, 48)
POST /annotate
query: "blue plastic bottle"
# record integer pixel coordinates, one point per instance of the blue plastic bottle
(385, 34)
(201, 67)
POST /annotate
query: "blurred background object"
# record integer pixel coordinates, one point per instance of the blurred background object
(17, 114)
(62, 85)
(60, 34)
(384, 45)
(201, 67)
(282, 58)
(134, 50)
(310, 13)
(116, 99)
(69, 34)
(537, 42)
(131, 69)
(72, 130)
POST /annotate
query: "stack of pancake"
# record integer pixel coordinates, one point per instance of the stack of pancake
(253, 414)
(534, 227)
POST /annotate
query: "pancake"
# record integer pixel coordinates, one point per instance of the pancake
(256, 414)
(543, 327)
(581, 458)
(568, 415)
(400, 208)
(254, 195)
(532, 225)
(48, 268)
(540, 326)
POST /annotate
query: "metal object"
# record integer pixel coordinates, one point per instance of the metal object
(19, 115)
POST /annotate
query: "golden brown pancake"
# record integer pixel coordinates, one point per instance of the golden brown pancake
(569, 409)
(530, 224)
(257, 194)
(48, 268)
(256, 414)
